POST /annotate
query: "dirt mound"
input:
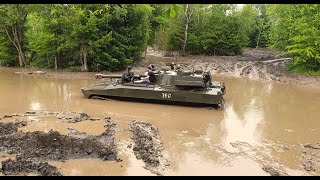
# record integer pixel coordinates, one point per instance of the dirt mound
(79, 118)
(273, 172)
(14, 167)
(147, 142)
(34, 149)
(250, 64)
(73, 117)
(10, 128)
(54, 146)
(310, 157)
(260, 54)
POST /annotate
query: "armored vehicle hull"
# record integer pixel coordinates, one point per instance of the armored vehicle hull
(171, 87)
(154, 92)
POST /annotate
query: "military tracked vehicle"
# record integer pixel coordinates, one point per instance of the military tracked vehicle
(170, 86)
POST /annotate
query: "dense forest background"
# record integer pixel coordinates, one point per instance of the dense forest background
(95, 37)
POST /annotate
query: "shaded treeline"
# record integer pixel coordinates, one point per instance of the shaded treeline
(95, 37)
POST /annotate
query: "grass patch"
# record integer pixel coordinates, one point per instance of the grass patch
(73, 69)
(301, 69)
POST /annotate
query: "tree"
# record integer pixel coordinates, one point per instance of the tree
(48, 29)
(258, 37)
(282, 17)
(187, 16)
(127, 38)
(12, 21)
(84, 19)
(157, 20)
(8, 56)
(296, 28)
(305, 44)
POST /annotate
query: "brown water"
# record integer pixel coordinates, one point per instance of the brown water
(262, 123)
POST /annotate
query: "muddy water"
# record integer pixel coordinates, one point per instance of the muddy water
(262, 123)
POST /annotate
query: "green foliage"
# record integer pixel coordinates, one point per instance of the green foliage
(109, 36)
(302, 69)
(73, 69)
(127, 38)
(157, 20)
(171, 10)
(282, 17)
(8, 56)
(259, 35)
(112, 36)
(301, 26)
(12, 23)
(174, 34)
(214, 30)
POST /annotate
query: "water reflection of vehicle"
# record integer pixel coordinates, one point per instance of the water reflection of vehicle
(176, 86)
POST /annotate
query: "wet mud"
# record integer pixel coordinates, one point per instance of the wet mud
(148, 146)
(10, 128)
(273, 172)
(27, 166)
(35, 149)
(310, 156)
(54, 146)
(253, 63)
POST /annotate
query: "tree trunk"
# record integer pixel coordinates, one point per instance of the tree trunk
(145, 52)
(55, 62)
(186, 29)
(20, 60)
(81, 57)
(258, 39)
(15, 35)
(47, 58)
(17, 43)
(85, 53)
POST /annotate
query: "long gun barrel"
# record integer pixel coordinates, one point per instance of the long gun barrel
(99, 76)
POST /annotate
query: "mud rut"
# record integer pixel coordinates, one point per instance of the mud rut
(253, 64)
(34, 150)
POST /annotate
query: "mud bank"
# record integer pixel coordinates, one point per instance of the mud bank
(26, 166)
(35, 149)
(253, 63)
(10, 128)
(148, 146)
(53, 146)
(147, 143)
(310, 156)
(273, 172)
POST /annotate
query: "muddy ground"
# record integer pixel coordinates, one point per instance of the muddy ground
(250, 64)
(148, 146)
(34, 150)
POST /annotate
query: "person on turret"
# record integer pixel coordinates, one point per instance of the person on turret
(129, 75)
(150, 77)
